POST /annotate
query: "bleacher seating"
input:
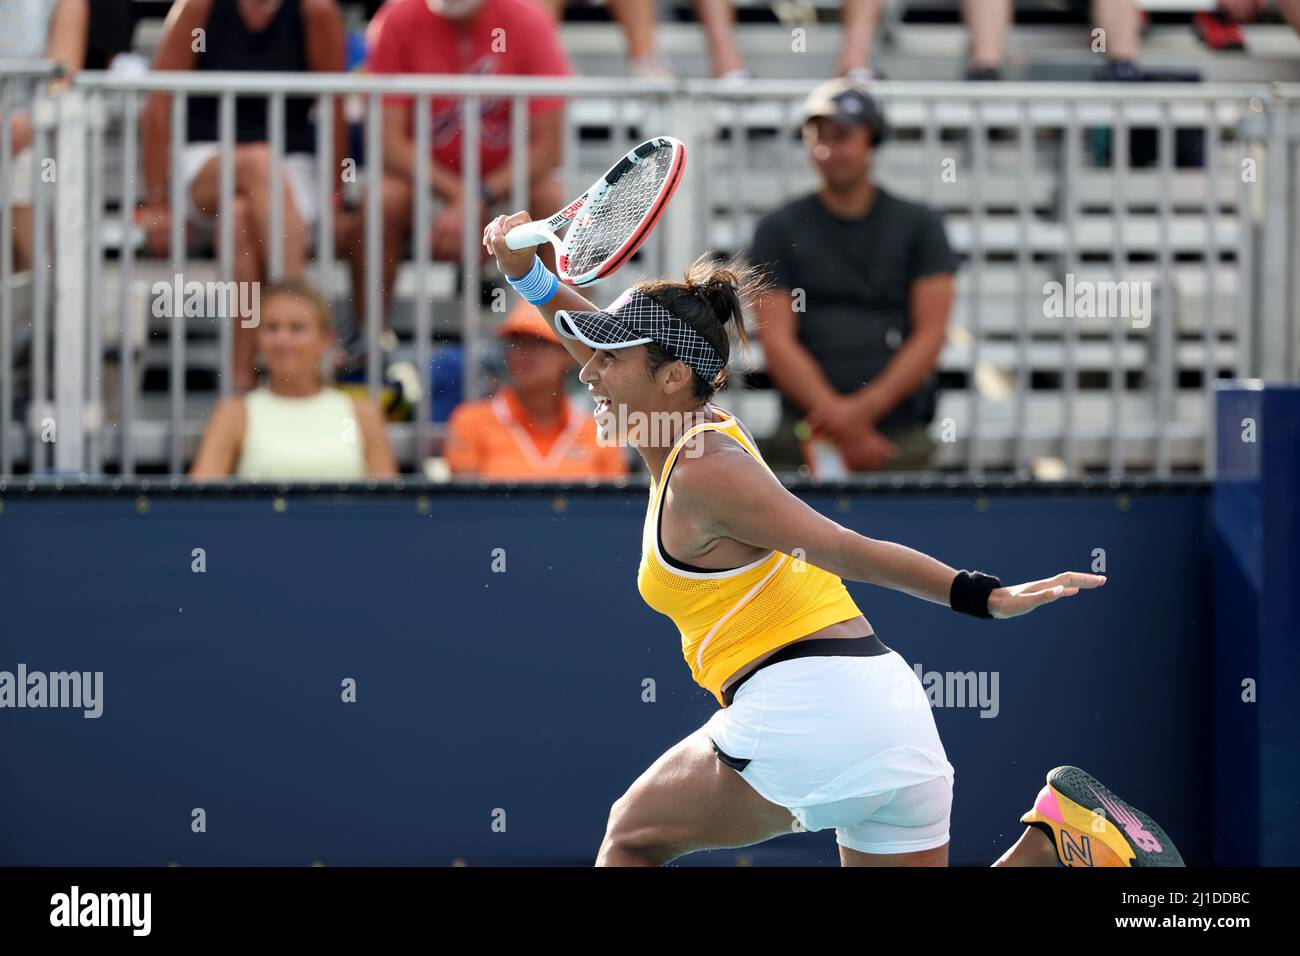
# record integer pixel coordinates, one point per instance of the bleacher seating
(976, 359)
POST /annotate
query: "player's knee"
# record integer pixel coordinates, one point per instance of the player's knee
(631, 839)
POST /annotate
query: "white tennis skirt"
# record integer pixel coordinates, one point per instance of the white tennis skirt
(843, 742)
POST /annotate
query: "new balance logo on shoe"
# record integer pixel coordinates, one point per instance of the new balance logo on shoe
(1072, 851)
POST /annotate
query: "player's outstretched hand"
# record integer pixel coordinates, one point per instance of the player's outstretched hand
(1023, 598)
(512, 262)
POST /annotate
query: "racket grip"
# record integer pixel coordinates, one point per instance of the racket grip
(529, 234)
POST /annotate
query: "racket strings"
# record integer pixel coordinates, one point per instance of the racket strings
(601, 229)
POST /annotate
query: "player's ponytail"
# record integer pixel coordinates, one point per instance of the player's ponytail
(712, 298)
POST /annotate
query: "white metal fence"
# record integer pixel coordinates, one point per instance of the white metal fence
(1034, 180)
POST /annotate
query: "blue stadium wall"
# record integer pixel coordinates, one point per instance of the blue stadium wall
(518, 697)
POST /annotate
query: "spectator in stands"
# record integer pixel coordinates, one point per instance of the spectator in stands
(294, 428)
(858, 22)
(1245, 11)
(989, 21)
(241, 35)
(863, 289)
(474, 37)
(638, 20)
(530, 429)
(858, 18)
(74, 34)
(1290, 10)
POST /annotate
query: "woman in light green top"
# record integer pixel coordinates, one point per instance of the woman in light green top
(294, 428)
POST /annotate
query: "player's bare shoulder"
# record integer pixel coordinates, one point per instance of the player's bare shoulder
(713, 474)
(748, 434)
(710, 456)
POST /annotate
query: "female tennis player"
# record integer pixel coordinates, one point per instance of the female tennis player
(821, 723)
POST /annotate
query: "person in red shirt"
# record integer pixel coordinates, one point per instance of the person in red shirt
(530, 429)
(478, 37)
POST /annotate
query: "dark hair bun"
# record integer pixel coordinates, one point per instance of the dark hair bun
(711, 299)
(723, 286)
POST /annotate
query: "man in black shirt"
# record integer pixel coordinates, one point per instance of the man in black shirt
(863, 289)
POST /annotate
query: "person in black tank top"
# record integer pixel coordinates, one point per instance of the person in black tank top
(293, 36)
(233, 45)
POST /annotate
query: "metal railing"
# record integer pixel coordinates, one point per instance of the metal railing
(1006, 162)
(1198, 224)
(20, 82)
(323, 89)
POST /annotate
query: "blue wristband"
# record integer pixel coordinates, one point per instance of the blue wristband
(538, 285)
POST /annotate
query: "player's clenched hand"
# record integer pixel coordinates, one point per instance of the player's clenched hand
(512, 262)
(1023, 598)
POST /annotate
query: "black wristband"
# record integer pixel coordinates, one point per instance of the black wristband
(970, 593)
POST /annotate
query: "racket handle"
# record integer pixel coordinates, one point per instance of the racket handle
(529, 234)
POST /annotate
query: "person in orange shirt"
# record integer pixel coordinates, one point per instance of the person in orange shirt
(530, 429)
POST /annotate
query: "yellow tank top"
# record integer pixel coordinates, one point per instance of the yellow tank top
(728, 618)
(301, 439)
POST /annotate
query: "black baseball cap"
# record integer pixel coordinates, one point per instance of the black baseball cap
(847, 102)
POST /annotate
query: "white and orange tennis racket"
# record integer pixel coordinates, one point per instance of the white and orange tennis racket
(611, 220)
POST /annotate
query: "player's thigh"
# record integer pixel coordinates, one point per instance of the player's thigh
(934, 857)
(689, 800)
(910, 828)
